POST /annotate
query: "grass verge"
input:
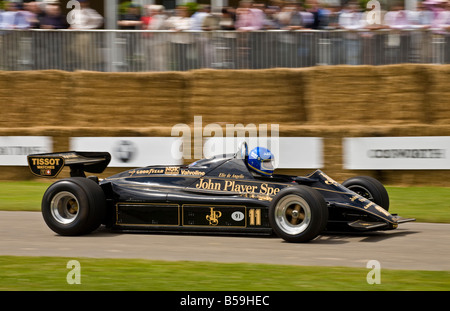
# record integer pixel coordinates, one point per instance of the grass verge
(50, 273)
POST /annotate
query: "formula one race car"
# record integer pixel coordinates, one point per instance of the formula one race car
(235, 193)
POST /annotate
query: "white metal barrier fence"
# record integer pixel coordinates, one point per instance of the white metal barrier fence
(117, 50)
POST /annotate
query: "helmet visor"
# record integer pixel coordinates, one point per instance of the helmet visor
(267, 165)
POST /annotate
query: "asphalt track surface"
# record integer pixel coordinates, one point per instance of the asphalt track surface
(417, 246)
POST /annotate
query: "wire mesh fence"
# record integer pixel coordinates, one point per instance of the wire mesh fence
(135, 51)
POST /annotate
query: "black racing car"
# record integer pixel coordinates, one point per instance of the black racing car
(216, 195)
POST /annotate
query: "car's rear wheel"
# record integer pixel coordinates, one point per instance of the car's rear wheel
(73, 206)
(369, 188)
(298, 214)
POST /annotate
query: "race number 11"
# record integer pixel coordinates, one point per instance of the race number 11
(254, 217)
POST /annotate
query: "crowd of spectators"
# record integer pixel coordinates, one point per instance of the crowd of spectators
(310, 14)
(248, 16)
(47, 14)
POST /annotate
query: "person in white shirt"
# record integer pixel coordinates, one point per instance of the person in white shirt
(181, 46)
(352, 19)
(84, 47)
(86, 17)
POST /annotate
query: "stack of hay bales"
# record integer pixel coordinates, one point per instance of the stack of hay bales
(33, 98)
(247, 96)
(366, 95)
(338, 95)
(403, 90)
(127, 100)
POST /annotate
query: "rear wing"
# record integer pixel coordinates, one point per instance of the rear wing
(51, 164)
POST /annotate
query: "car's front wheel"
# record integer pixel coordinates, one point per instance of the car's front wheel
(73, 206)
(298, 214)
(369, 188)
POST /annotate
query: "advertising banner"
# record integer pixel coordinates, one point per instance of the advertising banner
(397, 153)
(14, 149)
(133, 151)
(289, 152)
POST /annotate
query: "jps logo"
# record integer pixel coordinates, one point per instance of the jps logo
(213, 218)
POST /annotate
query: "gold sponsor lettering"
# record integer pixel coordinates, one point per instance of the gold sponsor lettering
(46, 161)
(369, 205)
(148, 171)
(329, 180)
(171, 170)
(192, 173)
(231, 185)
(264, 189)
(267, 190)
(213, 218)
(208, 185)
(235, 176)
(382, 210)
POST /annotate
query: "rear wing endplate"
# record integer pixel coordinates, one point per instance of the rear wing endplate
(51, 164)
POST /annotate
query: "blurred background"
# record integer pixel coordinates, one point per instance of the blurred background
(331, 71)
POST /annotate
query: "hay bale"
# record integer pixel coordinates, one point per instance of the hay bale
(404, 92)
(342, 95)
(439, 94)
(365, 94)
(33, 98)
(128, 99)
(247, 96)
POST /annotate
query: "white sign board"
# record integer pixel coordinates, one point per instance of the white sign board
(133, 151)
(397, 153)
(14, 149)
(289, 152)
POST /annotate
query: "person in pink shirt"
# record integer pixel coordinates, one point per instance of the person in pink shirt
(250, 20)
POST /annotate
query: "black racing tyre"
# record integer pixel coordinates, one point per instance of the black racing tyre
(74, 206)
(369, 188)
(298, 214)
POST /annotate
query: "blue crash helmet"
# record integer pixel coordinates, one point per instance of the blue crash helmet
(260, 160)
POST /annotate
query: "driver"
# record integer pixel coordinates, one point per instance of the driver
(260, 161)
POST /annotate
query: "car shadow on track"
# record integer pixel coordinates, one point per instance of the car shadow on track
(333, 237)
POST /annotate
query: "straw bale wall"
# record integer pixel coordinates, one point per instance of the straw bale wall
(329, 102)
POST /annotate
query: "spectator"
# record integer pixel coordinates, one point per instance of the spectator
(249, 18)
(35, 14)
(227, 19)
(289, 18)
(157, 48)
(353, 20)
(87, 18)
(442, 25)
(226, 55)
(13, 17)
(422, 17)
(199, 17)
(181, 20)
(131, 20)
(398, 18)
(51, 51)
(211, 21)
(398, 41)
(146, 18)
(442, 15)
(53, 18)
(182, 49)
(157, 20)
(314, 9)
(270, 21)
